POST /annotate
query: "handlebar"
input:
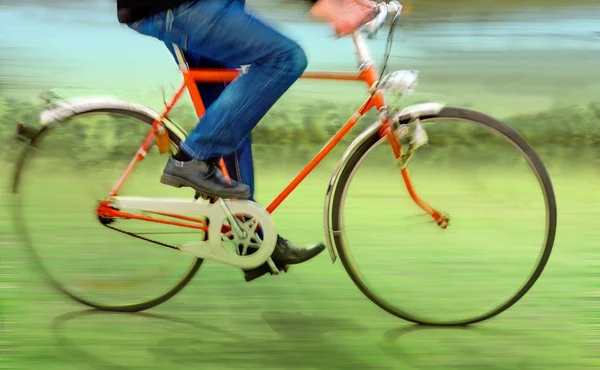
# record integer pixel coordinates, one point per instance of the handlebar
(383, 9)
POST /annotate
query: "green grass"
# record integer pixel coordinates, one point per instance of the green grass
(314, 317)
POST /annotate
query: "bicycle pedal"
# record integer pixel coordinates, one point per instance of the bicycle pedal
(280, 268)
(198, 195)
(264, 269)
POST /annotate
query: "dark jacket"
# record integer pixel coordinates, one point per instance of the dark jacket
(134, 10)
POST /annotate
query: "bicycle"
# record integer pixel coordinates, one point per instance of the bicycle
(238, 221)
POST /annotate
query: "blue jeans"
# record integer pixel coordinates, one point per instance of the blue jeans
(218, 34)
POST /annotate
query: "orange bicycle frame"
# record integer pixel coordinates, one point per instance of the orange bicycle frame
(367, 74)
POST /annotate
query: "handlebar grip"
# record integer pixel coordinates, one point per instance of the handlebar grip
(383, 10)
(394, 6)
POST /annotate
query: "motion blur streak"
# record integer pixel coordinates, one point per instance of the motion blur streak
(532, 63)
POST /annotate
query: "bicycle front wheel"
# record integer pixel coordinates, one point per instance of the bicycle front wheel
(58, 183)
(502, 211)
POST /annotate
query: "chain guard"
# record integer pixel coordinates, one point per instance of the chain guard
(212, 247)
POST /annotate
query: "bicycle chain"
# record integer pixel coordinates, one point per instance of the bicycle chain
(142, 238)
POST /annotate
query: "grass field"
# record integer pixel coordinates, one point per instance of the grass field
(314, 317)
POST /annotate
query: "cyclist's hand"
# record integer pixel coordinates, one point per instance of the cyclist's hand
(345, 15)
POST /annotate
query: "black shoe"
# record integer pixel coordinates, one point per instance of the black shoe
(285, 254)
(204, 177)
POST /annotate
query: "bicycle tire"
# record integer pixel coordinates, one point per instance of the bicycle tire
(22, 232)
(372, 141)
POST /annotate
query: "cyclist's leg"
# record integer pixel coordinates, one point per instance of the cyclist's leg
(239, 164)
(223, 31)
(238, 39)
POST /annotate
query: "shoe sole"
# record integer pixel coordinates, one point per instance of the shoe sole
(178, 182)
(317, 249)
(262, 270)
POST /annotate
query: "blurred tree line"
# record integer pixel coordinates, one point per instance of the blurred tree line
(295, 133)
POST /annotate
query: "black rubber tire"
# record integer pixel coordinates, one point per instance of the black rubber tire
(457, 114)
(22, 231)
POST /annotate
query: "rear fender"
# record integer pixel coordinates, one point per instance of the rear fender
(67, 109)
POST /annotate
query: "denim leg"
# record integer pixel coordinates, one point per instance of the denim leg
(222, 31)
(239, 163)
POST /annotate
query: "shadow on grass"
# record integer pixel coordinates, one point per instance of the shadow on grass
(283, 340)
(472, 347)
(290, 341)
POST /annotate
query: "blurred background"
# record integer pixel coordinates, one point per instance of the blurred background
(533, 64)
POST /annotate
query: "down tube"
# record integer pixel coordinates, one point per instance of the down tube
(320, 155)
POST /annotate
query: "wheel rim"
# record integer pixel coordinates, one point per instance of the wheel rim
(353, 268)
(111, 289)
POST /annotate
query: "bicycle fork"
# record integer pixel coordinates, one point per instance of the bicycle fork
(395, 132)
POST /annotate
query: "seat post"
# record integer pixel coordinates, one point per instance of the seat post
(183, 66)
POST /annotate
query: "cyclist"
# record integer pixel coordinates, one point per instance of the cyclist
(223, 34)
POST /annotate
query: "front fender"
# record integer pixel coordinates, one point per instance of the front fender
(365, 135)
(413, 112)
(404, 116)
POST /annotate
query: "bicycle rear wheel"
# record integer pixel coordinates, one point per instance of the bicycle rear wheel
(502, 221)
(59, 180)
